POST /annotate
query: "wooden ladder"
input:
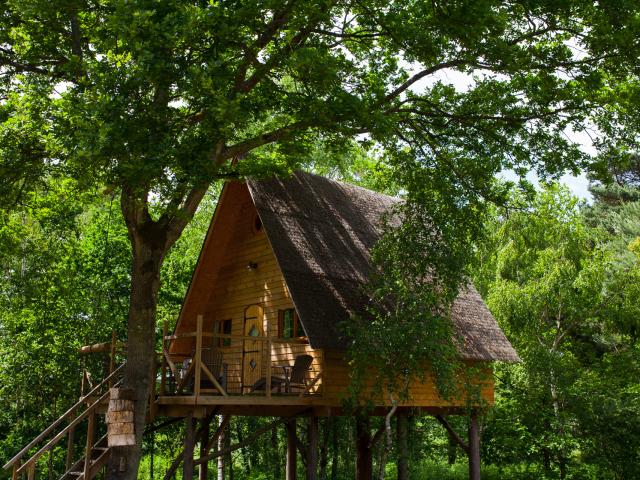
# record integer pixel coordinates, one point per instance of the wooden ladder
(95, 453)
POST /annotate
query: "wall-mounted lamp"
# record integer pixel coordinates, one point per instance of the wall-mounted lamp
(252, 266)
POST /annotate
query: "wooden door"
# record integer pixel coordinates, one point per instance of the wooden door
(252, 350)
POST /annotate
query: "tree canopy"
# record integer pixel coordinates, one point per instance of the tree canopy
(154, 100)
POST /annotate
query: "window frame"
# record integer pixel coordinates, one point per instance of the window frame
(298, 331)
(225, 342)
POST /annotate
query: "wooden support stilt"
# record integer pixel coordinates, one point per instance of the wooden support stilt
(312, 448)
(189, 441)
(364, 466)
(403, 445)
(291, 450)
(91, 428)
(204, 439)
(69, 462)
(474, 446)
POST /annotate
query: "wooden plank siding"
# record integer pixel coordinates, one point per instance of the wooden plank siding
(232, 287)
(224, 286)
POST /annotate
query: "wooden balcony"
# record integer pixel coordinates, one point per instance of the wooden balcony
(240, 370)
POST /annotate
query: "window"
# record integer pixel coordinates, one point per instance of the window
(224, 327)
(289, 324)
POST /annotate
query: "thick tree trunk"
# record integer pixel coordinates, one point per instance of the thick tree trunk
(145, 282)
(150, 241)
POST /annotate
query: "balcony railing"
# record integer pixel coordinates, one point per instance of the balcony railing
(230, 365)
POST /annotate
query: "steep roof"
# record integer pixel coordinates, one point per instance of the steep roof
(322, 232)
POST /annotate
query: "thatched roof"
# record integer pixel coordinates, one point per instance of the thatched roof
(321, 232)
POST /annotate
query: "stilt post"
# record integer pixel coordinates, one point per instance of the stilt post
(189, 441)
(312, 448)
(364, 467)
(91, 427)
(69, 462)
(204, 439)
(291, 450)
(403, 445)
(474, 446)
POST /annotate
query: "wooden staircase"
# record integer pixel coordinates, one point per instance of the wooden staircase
(96, 453)
(97, 460)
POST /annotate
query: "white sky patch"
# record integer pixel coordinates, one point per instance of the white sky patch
(462, 82)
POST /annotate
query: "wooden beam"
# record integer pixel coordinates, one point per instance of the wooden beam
(203, 468)
(364, 465)
(198, 357)
(291, 463)
(91, 428)
(163, 374)
(474, 446)
(213, 380)
(268, 359)
(251, 438)
(403, 445)
(55, 424)
(178, 459)
(69, 460)
(311, 385)
(312, 448)
(443, 421)
(187, 455)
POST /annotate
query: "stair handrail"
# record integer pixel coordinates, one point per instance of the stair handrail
(62, 433)
(55, 424)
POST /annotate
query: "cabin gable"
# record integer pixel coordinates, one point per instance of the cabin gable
(237, 275)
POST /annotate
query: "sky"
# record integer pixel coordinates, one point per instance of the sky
(579, 185)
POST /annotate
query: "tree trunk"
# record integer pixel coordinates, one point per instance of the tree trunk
(290, 473)
(403, 446)
(145, 282)
(150, 241)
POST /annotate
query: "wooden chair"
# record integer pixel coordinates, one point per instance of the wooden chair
(295, 376)
(212, 358)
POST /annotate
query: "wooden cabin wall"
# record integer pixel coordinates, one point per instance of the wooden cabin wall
(234, 287)
(336, 373)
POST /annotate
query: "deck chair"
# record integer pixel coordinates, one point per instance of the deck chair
(212, 359)
(294, 376)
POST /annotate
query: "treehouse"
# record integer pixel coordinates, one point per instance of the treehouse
(281, 268)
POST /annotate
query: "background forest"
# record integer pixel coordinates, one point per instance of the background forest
(562, 277)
